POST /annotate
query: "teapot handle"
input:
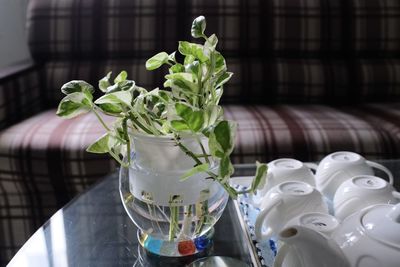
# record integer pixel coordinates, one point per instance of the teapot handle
(382, 168)
(260, 235)
(311, 166)
(396, 194)
(394, 213)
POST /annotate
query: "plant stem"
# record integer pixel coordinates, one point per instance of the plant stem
(118, 159)
(203, 217)
(245, 191)
(202, 155)
(187, 219)
(100, 119)
(141, 126)
(127, 139)
(212, 59)
(202, 149)
(201, 89)
(187, 151)
(173, 222)
(231, 191)
(162, 213)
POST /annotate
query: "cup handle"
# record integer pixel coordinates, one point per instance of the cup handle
(280, 257)
(311, 166)
(382, 168)
(260, 235)
(396, 194)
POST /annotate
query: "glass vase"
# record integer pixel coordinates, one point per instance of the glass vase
(175, 217)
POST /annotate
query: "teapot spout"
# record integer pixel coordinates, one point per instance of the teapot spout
(311, 248)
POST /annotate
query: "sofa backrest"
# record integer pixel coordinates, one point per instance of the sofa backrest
(281, 51)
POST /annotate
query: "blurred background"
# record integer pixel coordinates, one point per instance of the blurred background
(13, 39)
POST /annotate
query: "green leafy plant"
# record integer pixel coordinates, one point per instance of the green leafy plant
(188, 105)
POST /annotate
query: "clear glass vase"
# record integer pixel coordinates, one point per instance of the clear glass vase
(175, 217)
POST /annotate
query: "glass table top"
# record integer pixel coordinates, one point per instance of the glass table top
(94, 230)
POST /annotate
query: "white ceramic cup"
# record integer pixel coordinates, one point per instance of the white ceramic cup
(320, 222)
(337, 167)
(282, 170)
(284, 202)
(362, 191)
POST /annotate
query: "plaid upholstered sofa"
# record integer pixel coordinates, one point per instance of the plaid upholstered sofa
(311, 77)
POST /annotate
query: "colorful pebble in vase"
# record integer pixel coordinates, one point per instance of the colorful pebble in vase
(186, 247)
(169, 248)
(153, 245)
(202, 242)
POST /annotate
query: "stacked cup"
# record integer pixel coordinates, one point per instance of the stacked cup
(282, 170)
(347, 180)
(289, 191)
(343, 183)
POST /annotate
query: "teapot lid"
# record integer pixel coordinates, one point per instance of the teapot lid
(382, 222)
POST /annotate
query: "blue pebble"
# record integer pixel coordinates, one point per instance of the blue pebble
(153, 245)
(201, 242)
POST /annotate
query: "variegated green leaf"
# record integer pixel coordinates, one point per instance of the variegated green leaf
(222, 139)
(76, 86)
(195, 50)
(157, 61)
(179, 125)
(99, 146)
(224, 78)
(121, 98)
(193, 118)
(104, 83)
(121, 77)
(198, 27)
(75, 104)
(225, 169)
(260, 177)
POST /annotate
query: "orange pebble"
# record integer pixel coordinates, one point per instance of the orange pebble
(186, 247)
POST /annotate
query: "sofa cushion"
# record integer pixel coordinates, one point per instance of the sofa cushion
(310, 132)
(43, 164)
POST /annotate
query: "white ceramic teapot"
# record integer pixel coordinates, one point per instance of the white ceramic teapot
(371, 237)
(368, 238)
(311, 249)
(323, 223)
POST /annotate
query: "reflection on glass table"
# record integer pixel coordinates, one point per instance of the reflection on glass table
(94, 230)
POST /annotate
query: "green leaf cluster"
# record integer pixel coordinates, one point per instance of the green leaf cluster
(188, 104)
